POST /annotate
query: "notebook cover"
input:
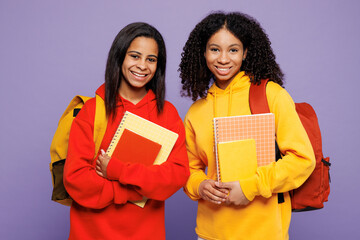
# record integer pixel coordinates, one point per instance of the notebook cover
(260, 127)
(237, 160)
(135, 148)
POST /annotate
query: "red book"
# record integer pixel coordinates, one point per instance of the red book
(135, 148)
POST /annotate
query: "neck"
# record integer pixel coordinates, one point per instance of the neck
(132, 94)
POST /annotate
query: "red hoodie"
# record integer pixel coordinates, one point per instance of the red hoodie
(100, 209)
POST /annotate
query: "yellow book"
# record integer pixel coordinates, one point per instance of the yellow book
(237, 160)
(149, 130)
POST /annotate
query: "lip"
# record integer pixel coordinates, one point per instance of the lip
(138, 75)
(223, 70)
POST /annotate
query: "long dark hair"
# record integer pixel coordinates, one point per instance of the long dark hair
(259, 63)
(113, 73)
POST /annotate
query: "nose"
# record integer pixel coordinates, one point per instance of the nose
(223, 58)
(141, 65)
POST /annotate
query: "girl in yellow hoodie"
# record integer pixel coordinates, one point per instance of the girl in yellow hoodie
(224, 54)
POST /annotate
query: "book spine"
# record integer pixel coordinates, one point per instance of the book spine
(116, 136)
(216, 134)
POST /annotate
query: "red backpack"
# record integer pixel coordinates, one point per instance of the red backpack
(316, 189)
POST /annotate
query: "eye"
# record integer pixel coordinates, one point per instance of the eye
(234, 50)
(214, 50)
(152, 60)
(134, 56)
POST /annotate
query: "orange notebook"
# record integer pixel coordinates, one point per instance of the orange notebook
(135, 148)
(259, 127)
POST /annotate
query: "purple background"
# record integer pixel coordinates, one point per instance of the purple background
(53, 50)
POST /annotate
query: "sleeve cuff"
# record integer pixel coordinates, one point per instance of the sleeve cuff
(114, 169)
(192, 186)
(249, 187)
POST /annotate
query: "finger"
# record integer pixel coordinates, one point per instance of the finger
(99, 173)
(223, 190)
(214, 197)
(216, 192)
(98, 165)
(222, 185)
(209, 199)
(98, 168)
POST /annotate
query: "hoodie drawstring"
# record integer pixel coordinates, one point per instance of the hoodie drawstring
(214, 105)
(230, 101)
(229, 104)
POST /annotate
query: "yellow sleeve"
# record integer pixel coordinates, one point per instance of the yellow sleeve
(298, 159)
(196, 165)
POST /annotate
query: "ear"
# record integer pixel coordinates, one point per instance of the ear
(245, 53)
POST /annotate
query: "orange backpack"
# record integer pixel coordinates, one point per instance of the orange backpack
(316, 189)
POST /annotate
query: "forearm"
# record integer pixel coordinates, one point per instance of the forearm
(157, 182)
(192, 185)
(298, 159)
(90, 190)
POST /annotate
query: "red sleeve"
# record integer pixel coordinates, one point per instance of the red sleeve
(81, 181)
(157, 182)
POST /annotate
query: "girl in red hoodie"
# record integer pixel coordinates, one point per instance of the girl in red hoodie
(102, 188)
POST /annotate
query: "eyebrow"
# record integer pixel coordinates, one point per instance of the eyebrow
(141, 54)
(216, 45)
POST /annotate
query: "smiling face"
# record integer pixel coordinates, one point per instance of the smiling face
(224, 55)
(139, 65)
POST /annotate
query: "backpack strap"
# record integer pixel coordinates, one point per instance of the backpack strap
(259, 104)
(75, 105)
(100, 123)
(257, 98)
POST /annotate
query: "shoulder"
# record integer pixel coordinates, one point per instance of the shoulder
(170, 119)
(199, 107)
(169, 113)
(273, 88)
(278, 98)
(87, 112)
(275, 92)
(169, 108)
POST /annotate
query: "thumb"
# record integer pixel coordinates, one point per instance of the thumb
(102, 152)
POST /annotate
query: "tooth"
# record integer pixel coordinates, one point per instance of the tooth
(223, 69)
(139, 75)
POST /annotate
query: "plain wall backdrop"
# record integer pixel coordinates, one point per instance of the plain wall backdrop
(53, 50)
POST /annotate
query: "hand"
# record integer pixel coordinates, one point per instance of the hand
(209, 192)
(236, 195)
(102, 163)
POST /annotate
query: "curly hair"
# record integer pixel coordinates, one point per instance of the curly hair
(259, 63)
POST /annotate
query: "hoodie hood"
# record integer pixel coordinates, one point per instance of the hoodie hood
(146, 105)
(239, 82)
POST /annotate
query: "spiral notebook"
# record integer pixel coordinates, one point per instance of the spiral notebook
(155, 139)
(259, 127)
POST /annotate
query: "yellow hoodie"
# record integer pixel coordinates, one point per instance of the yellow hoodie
(263, 217)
